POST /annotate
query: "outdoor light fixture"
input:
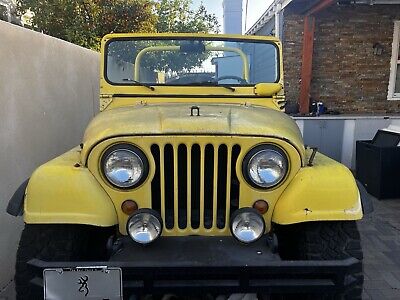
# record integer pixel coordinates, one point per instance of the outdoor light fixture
(378, 49)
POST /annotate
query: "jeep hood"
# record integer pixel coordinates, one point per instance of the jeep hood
(222, 119)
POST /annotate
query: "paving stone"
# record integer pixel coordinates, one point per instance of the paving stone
(378, 243)
(380, 239)
(375, 295)
(394, 256)
(391, 280)
(8, 292)
(365, 296)
(396, 274)
(376, 284)
(391, 293)
(373, 274)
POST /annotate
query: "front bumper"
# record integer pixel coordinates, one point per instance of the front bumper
(216, 265)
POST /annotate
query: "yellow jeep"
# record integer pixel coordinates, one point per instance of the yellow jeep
(192, 179)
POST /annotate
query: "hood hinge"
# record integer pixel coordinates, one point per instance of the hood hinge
(105, 100)
(280, 101)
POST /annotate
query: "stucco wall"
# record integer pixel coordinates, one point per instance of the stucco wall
(48, 94)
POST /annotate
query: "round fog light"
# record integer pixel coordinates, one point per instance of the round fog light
(144, 226)
(247, 225)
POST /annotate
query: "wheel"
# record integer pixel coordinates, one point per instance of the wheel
(56, 243)
(323, 241)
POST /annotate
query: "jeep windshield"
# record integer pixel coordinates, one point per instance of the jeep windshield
(190, 61)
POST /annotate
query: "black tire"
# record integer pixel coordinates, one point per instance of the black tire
(323, 241)
(56, 243)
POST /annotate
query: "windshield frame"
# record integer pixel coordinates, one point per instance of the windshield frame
(186, 37)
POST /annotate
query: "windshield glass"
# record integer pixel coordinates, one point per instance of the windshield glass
(190, 61)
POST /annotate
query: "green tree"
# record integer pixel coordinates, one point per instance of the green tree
(85, 22)
(177, 16)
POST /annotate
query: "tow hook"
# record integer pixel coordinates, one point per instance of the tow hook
(113, 245)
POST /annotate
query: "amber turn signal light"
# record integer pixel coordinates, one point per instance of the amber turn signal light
(129, 207)
(261, 206)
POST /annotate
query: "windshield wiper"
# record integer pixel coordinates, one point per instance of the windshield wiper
(211, 83)
(139, 83)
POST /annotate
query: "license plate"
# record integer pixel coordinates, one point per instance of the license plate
(83, 283)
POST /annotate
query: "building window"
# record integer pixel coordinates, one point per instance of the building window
(394, 83)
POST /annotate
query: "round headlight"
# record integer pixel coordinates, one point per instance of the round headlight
(144, 226)
(247, 225)
(265, 166)
(124, 166)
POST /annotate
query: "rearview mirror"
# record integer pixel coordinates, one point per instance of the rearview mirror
(193, 48)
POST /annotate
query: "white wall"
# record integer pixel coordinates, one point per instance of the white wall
(48, 93)
(336, 136)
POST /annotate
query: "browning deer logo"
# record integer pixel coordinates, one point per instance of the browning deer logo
(83, 282)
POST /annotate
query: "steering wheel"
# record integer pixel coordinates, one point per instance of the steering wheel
(239, 79)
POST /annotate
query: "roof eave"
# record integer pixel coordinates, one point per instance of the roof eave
(268, 15)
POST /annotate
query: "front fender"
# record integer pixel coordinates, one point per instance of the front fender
(326, 191)
(63, 191)
(15, 206)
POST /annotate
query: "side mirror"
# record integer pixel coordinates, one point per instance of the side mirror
(267, 89)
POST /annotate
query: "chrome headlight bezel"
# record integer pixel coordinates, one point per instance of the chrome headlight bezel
(135, 151)
(256, 151)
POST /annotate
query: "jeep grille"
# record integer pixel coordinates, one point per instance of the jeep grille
(195, 187)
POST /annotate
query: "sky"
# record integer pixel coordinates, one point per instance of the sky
(255, 9)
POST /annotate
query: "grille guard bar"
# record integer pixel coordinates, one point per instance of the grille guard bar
(156, 269)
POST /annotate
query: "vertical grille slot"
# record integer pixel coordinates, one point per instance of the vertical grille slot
(222, 185)
(156, 184)
(208, 185)
(234, 190)
(182, 186)
(195, 187)
(169, 186)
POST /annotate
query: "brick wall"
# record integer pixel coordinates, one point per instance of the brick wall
(292, 47)
(347, 76)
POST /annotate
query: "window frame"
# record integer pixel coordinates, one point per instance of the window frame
(279, 72)
(394, 63)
